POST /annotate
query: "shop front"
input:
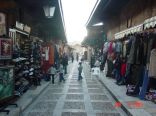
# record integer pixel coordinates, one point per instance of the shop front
(131, 59)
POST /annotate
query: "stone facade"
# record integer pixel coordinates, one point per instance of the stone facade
(134, 13)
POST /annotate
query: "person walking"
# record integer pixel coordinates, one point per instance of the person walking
(65, 62)
(72, 58)
(52, 72)
(61, 71)
(77, 57)
(80, 68)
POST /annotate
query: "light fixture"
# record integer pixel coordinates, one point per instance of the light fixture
(98, 24)
(49, 11)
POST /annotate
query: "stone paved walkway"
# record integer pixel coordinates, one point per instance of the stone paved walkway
(74, 98)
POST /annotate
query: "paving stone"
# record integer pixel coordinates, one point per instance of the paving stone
(93, 86)
(108, 114)
(75, 86)
(75, 82)
(74, 105)
(88, 77)
(104, 106)
(91, 82)
(76, 75)
(75, 90)
(55, 85)
(74, 114)
(54, 91)
(75, 96)
(95, 91)
(44, 105)
(40, 114)
(99, 97)
(51, 96)
(74, 79)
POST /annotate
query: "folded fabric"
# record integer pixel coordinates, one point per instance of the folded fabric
(31, 69)
(31, 73)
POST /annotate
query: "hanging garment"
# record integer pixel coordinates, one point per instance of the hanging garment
(144, 87)
(124, 50)
(111, 47)
(123, 69)
(105, 48)
(151, 38)
(139, 52)
(51, 54)
(46, 53)
(152, 65)
(132, 50)
(118, 47)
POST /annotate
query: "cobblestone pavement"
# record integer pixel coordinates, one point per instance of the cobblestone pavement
(74, 98)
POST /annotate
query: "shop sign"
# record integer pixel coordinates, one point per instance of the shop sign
(27, 29)
(5, 48)
(19, 25)
(2, 24)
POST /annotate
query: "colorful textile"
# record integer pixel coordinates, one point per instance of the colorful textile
(123, 69)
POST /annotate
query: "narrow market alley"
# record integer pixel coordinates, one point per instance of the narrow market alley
(77, 57)
(74, 98)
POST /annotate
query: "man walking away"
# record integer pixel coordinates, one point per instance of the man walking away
(80, 68)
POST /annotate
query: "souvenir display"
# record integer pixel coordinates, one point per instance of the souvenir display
(6, 82)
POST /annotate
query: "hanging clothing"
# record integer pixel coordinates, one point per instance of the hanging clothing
(123, 69)
(46, 53)
(51, 54)
(118, 47)
(105, 48)
(124, 49)
(139, 52)
(111, 47)
(151, 38)
(132, 50)
(128, 45)
(152, 65)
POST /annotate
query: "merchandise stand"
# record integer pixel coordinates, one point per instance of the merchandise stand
(7, 94)
(138, 43)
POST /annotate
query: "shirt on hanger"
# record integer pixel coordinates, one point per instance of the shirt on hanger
(46, 53)
(152, 65)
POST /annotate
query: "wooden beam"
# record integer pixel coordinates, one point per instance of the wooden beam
(7, 4)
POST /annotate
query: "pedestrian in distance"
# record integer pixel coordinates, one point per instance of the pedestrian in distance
(72, 58)
(65, 62)
(80, 68)
(61, 71)
(77, 57)
(52, 72)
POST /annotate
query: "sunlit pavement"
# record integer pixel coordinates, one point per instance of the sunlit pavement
(74, 98)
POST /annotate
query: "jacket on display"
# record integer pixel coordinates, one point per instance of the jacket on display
(124, 49)
(152, 65)
(151, 38)
(111, 47)
(46, 53)
(139, 52)
(105, 48)
(118, 47)
(132, 50)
